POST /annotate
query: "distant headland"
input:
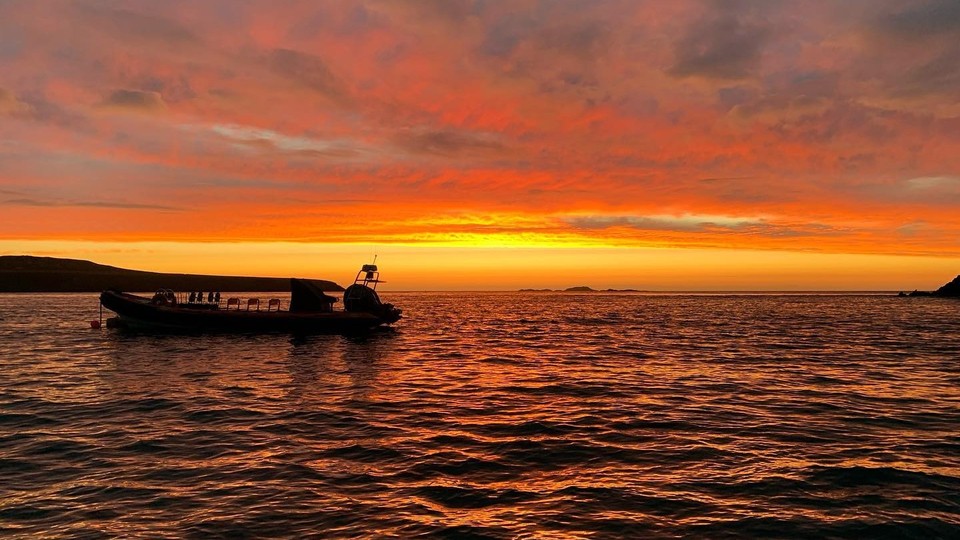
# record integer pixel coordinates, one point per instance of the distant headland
(581, 288)
(23, 273)
(950, 290)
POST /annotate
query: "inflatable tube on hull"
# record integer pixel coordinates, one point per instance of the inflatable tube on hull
(138, 313)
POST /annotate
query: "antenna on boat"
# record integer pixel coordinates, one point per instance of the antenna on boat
(374, 258)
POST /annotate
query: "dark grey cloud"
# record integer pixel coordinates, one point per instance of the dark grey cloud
(915, 51)
(732, 96)
(134, 100)
(936, 76)
(135, 27)
(12, 36)
(172, 90)
(922, 21)
(504, 35)
(816, 121)
(583, 39)
(35, 106)
(577, 38)
(747, 189)
(446, 11)
(125, 206)
(308, 70)
(724, 45)
(449, 143)
(90, 204)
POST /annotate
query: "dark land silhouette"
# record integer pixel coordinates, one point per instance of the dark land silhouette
(581, 288)
(950, 290)
(23, 273)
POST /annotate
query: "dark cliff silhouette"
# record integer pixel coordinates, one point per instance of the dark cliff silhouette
(950, 290)
(22, 273)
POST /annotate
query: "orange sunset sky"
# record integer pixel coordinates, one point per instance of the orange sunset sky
(659, 145)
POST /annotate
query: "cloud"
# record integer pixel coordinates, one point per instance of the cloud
(88, 204)
(778, 109)
(929, 191)
(614, 113)
(10, 105)
(307, 70)
(941, 74)
(749, 190)
(685, 223)
(926, 183)
(34, 106)
(274, 141)
(724, 45)
(930, 18)
(911, 57)
(449, 142)
(913, 228)
(708, 225)
(173, 89)
(505, 35)
(133, 26)
(134, 100)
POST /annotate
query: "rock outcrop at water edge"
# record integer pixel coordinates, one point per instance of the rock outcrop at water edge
(951, 289)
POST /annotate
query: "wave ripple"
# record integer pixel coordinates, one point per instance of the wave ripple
(495, 415)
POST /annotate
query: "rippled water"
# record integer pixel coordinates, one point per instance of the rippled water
(492, 415)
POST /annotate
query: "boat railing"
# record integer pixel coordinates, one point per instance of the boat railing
(231, 303)
(368, 276)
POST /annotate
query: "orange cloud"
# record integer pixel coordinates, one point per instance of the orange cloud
(611, 123)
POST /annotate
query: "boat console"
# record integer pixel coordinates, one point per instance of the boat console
(362, 295)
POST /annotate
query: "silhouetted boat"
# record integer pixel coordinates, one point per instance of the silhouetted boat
(310, 310)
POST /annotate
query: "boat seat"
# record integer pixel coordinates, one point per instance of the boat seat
(273, 303)
(233, 302)
(253, 302)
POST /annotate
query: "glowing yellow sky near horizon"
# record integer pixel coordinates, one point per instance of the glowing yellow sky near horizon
(508, 268)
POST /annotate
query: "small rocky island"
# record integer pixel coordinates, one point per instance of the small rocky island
(950, 290)
(580, 288)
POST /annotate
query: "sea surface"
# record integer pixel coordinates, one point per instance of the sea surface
(492, 415)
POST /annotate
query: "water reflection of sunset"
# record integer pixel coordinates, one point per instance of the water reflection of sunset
(542, 414)
(473, 148)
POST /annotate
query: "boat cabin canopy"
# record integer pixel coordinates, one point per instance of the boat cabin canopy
(307, 295)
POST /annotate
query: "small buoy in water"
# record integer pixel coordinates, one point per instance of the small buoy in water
(95, 325)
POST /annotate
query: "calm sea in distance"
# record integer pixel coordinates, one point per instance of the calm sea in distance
(492, 415)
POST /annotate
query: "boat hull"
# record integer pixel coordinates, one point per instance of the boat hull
(138, 313)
